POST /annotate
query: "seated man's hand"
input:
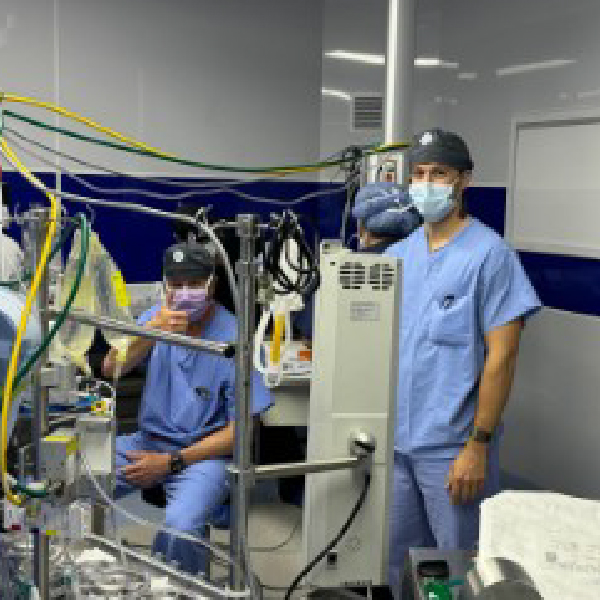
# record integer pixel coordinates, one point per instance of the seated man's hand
(173, 321)
(146, 468)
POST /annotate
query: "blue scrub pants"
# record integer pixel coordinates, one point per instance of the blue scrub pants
(193, 497)
(421, 513)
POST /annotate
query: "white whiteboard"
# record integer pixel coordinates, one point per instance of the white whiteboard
(554, 184)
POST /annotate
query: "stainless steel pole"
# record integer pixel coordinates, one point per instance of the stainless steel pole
(399, 75)
(304, 468)
(38, 227)
(220, 348)
(246, 270)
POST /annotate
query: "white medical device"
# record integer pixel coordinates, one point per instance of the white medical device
(353, 391)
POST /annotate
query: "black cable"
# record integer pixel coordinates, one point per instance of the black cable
(334, 542)
(307, 278)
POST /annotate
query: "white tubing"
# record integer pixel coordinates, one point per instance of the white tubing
(228, 269)
(259, 338)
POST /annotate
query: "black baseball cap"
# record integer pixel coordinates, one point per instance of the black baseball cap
(190, 259)
(445, 147)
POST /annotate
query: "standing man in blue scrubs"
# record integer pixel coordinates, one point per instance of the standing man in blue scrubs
(186, 420)
(465, 301)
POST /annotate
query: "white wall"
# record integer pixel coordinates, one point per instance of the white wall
(486, 35)
(551, 434)
(227, 82)
(361, 27)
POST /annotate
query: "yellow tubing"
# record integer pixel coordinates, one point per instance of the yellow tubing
(141, 145)
(278, 331)
(12, 366)
(110, 132)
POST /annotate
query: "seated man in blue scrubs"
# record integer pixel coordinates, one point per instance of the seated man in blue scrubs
(186, 419)
(384, 216)
(465, 300)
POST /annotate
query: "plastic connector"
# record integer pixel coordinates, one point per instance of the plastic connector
(13, 517)
(362, 444)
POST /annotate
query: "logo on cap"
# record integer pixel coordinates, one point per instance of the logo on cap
(426, 138)
(178, 256)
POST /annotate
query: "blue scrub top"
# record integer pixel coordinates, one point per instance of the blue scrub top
(189, 393)
(452, 298)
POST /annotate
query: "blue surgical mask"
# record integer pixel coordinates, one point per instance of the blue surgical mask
(433, 200)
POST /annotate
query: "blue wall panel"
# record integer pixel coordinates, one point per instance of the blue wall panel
(563, 282)
(137, 241)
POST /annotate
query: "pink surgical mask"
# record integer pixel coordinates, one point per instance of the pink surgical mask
(195, 302)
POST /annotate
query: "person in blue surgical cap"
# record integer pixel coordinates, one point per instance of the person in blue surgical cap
(465, 301)
(186, 427)
(384, 215)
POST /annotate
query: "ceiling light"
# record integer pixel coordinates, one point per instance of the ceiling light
(336, 94)
(379, 59)
(465, 76)
(429, 62)
(371, 59)
(588, 94)
(537, 66)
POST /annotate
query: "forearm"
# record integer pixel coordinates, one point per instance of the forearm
(219, 443)
(494, 390)
(136, 352)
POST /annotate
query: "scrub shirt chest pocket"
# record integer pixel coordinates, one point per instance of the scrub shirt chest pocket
(452, 317)
(199, 399)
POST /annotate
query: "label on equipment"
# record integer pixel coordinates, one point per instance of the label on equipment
(364, 311)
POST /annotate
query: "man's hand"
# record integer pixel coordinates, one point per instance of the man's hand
(147, 468)
(173, 321)
(467, 473)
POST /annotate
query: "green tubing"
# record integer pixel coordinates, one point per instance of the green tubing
(193, 163)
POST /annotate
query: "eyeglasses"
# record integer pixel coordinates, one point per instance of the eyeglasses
(186, 284)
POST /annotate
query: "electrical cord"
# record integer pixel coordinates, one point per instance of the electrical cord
(142, 148)
(172, 197)
(307, 278)
(334, 542)
(133, 146)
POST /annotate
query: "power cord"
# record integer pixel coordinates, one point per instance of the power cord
(306, 270)
(334, 542)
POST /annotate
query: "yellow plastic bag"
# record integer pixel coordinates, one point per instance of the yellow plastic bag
(74, 339)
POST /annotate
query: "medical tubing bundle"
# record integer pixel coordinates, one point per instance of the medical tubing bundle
(31, 294)
(132, 145)
(308, 278)
(218, 187)
(335, 541)
(173, 532)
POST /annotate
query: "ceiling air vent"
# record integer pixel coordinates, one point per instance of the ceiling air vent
(367, 112)
(381, 277)
(352, 276)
